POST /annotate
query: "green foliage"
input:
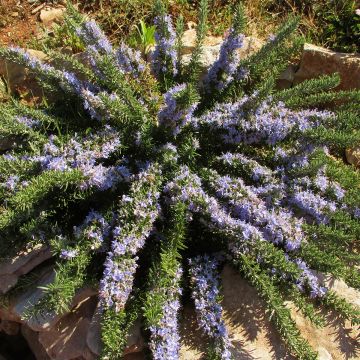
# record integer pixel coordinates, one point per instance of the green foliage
(339, 24)
(194, 65)
(333, 23)
(115, 327)
(144, 38)
(145, 224)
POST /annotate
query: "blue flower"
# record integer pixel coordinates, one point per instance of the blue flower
(206, 294)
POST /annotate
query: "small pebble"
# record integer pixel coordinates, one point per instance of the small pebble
(38, 8)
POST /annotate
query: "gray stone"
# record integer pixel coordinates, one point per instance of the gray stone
(286, 78)
(32, 338)
(19, 80)
(253, 336)
(3, 90)
(22, 263)
(324, 354)
(22, 303)
(37, 9)
(93, 337)
(7, 143)
(9, 327)
(339, 286)
(189, 40)
(211, 48)
(67, 338)
(353, 156)
(135, 340)
(316, 61)
(49, 16)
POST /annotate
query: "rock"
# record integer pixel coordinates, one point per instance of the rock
(15, 14)
(212, 46)
(252, 334)
(18, 79)
(324, 354)
(9, 327)
(316, 61)
(67, 338)
(37, 9)
(286, 78)
(93, 337)
(339, 286)
(22, 263)
(189, 41)
(135, 356)
(3, 90)
(191, 25)
(135, 341)
(353, 156)
(32, 338)
(251, 46)
(48, 16)
(20, 304)
(208, 56)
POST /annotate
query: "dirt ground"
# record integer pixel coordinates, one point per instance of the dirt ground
(17, 24)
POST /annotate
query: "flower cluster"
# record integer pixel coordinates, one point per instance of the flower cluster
(164, 57)
(95, 229)
(93, 36)
(11, 182)
(206, 294)
(28, 122)
(270, 123)
(129, 60)
(133, 226)
(84, 154)
(186, 187)
(256, 171)
(225, 69)
(277, 226)
(213, 166)
(165, 338)
(175, 115)
(308, 279)
(314, 205)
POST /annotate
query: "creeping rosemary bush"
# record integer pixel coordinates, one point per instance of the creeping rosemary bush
(146, 178)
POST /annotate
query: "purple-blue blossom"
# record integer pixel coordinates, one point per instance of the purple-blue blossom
(28, 122)
(129, 60)
(91, 34)
(308, 279)
(313, 205)
(132, 227)
(223, 71)
(164, 57)
(206, 294)
(85, 155)
(277, 226)
(164, 336)
(270, 123)
(95, 229)
(68, 254)
(357, 213)
(173, 115)
(11, 182)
